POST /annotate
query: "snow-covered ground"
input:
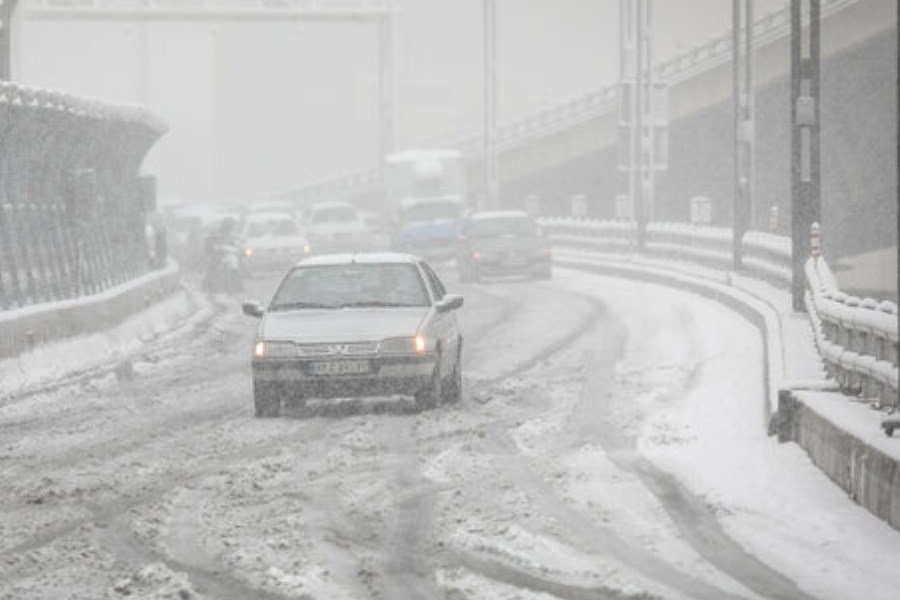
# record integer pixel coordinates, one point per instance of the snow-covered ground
(610, 444)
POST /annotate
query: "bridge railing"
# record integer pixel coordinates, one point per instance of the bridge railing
(72, 202)
(857, 338)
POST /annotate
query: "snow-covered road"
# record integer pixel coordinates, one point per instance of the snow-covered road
(610, 444)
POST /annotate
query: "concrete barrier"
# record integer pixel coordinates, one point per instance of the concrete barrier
(869, 475)
(24, 329)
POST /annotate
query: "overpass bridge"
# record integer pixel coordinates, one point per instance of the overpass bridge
(570, 148)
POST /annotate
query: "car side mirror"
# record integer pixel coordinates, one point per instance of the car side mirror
(253, 309)
(449, 302)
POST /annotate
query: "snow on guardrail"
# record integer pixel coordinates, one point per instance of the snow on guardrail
(856, 338)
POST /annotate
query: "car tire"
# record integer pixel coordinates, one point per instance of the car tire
(431, 395)
(266, 400)
(453, 387)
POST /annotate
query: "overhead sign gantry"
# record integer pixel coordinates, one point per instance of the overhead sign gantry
(378, 12)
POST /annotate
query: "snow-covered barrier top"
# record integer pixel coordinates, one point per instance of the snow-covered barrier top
(766, 256)
(856, 337)
(72, 203)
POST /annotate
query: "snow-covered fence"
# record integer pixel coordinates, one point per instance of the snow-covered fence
(857, 338)
(766, 256)
(72, 210)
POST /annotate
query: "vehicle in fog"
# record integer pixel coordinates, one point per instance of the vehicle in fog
(187, 226)
(272, 240)
(352, 325)
(426, 190)
(498, 243)
(336, 226)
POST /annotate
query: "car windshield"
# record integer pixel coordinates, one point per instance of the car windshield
(335, 214)
(351, 285)
(430, 211)
(273, 227)
(501, 226)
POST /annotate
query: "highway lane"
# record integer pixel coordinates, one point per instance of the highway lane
(164, 485)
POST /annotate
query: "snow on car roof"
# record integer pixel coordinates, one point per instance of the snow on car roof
(498, 214)
(358, 258)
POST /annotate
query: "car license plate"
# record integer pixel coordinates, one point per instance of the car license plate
(339, 367)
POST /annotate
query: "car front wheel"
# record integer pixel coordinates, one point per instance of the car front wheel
(429, 397)
(453, 388)
(266, 401)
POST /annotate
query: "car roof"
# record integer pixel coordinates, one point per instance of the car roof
(498, 214)
(367, 258)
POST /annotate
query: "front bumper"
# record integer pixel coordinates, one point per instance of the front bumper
(386, 375)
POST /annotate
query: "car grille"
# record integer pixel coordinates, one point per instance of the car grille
(338, 349)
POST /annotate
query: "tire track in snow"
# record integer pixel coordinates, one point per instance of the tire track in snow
(695, 521)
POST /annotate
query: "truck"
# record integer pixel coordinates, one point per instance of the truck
(426, 190)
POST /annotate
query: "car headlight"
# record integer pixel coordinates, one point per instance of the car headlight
(274, 350)
(248, 252)
(406, 345)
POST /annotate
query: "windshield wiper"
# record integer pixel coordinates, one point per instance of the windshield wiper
(294, 305)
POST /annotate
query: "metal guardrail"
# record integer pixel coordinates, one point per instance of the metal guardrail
(856, 338)
(72, 211)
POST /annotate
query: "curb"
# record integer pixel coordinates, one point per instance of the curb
(25, 329)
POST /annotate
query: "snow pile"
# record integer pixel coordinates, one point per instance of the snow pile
(154, 582)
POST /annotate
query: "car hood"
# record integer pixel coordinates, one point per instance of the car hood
(342, 325)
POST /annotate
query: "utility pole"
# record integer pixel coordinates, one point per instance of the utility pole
(7, 10)
(744, 128)
(643, 112)
(386, 87)
(491, 162)
(805, 118)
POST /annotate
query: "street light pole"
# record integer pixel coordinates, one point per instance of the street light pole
(805, 161)
(491, 166)
(7, 10)
(744, 135)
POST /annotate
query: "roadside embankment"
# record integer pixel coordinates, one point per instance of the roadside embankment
(25, 329)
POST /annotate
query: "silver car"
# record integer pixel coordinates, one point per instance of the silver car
(350, 325)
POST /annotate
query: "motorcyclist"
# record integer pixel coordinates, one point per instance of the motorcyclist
(221, 245)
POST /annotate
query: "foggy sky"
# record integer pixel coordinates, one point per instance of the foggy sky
(260, 107)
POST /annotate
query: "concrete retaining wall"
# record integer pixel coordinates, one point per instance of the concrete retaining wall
(23, 329)
(869, 476)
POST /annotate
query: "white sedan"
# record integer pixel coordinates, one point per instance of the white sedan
(351, 325)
